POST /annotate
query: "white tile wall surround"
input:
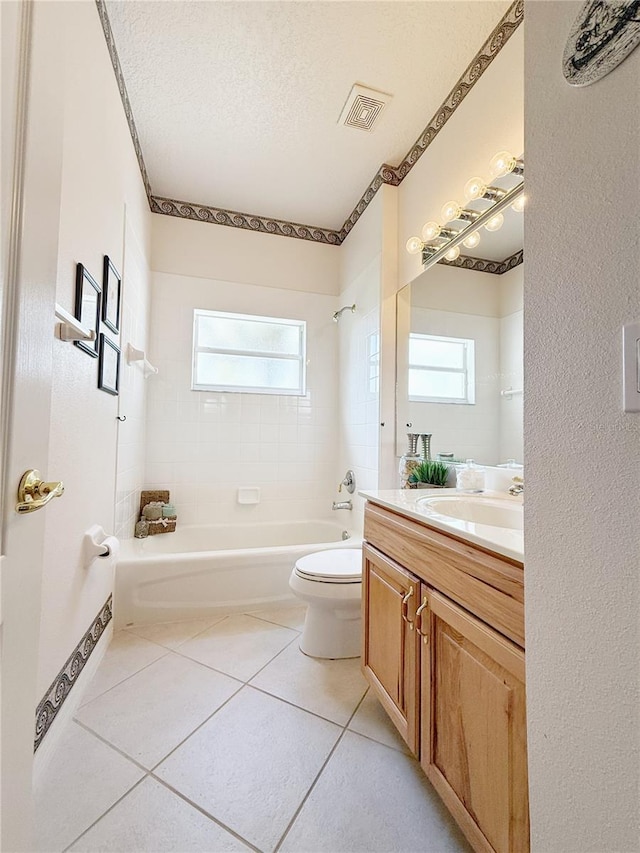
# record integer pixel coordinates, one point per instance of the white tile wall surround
(203, 445)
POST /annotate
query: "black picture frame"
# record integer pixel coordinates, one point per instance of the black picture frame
(108, 366)
(87, 308)
(111, 293)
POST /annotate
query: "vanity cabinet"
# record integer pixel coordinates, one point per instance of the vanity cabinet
(444, 653)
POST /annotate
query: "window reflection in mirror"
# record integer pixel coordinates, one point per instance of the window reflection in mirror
(459, 349)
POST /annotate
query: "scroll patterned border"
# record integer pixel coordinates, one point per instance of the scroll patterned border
(61, 685)
(386, 174)
(467, 262)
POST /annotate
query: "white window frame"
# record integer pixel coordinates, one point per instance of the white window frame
(467, 369)
(300, 358)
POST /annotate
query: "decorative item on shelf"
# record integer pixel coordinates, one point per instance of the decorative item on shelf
(470, 477)
(429, 474)
(425, 439)
(153, 505)
(87, 309)
(142, 529)
(442, 241)
(410, 460)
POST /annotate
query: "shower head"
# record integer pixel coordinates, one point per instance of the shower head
(337, 314)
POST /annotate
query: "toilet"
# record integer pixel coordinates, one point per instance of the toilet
(330, 583)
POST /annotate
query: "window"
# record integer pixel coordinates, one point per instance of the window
(441, 370)
(242, 352)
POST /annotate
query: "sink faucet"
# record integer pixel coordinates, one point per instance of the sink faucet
(342, 505)
(518, 486)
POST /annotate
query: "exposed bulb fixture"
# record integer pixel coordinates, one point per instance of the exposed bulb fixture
(452, 254)
(451, 211)
(472, 240)
(430, 230)
(414, 245)
(495, 223)
(519, 204)
(501, 164)
(474, 188)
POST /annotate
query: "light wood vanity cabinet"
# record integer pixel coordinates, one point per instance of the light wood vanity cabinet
(444, 652)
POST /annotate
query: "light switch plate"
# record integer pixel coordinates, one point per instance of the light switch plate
(631, 366)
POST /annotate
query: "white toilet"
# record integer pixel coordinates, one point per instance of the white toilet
(330, 582)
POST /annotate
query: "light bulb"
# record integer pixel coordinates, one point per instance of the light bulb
(474, 188)
(414, 245)
(519, 204)
(451, 211)
(501, 164)
(430, 231)
(452, 254)
(472, 240)
(495, 223)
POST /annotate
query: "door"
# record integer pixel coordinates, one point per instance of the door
(32, 87)
(390, 647)
(474, 726)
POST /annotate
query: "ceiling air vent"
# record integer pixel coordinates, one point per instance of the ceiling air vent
(363, 107)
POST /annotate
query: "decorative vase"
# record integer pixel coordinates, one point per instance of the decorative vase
(409, 461)
(425, 438)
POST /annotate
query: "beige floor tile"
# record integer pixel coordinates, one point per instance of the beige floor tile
(126, 654)
(84, 778)
(251, 764)
(372, 798)
(152, 818)
(149, 714)
(174, 634)
(331, 688)
(291, 616)
(372, 720)
(239, 645)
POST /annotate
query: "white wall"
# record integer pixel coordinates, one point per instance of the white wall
(582, 452)
(511, 364)
(136, 296)
(361, 271)
(100, 175)
(203, 446)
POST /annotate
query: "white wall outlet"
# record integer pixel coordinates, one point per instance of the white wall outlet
(631, 366)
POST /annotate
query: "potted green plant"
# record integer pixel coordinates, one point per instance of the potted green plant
(429, 474)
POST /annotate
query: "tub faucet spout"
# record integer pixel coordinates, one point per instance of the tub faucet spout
(342, 505)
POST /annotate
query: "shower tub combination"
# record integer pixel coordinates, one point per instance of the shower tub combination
(200, 570)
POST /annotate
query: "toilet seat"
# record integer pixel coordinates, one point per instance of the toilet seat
(337, 565)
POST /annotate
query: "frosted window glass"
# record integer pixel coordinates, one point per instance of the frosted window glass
(239, 352)
(436, 353)
(248, 336)
(437, 383)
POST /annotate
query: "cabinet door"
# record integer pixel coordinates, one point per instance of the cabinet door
(390, 659)
(473, 742)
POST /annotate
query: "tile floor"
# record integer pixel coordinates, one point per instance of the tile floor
(220, 735)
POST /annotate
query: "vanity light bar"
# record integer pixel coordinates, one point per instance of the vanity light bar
(431, 257)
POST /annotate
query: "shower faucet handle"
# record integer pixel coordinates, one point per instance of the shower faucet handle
(349, 482)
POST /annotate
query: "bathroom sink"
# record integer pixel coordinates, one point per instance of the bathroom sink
(478, 510)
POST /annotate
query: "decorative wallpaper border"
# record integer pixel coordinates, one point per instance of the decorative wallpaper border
(467, 262)
(61, 685)
(235, 219)
(386, 174)
(117, 70)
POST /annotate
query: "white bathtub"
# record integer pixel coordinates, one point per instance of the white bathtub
(215, 568)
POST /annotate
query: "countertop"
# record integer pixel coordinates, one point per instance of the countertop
(500, 540)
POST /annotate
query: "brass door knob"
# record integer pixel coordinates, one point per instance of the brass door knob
(34, 493)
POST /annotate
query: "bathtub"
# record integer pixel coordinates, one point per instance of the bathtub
(199, 570)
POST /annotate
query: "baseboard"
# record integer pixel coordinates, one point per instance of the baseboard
(66, 690)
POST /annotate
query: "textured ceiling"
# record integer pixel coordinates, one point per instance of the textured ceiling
(236, 102)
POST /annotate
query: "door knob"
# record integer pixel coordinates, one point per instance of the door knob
(33, 493)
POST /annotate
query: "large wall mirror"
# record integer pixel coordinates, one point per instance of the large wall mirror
(460, 353)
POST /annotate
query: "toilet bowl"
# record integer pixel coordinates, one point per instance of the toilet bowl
(330, 583)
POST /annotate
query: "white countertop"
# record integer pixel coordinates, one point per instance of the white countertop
(500, 540)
